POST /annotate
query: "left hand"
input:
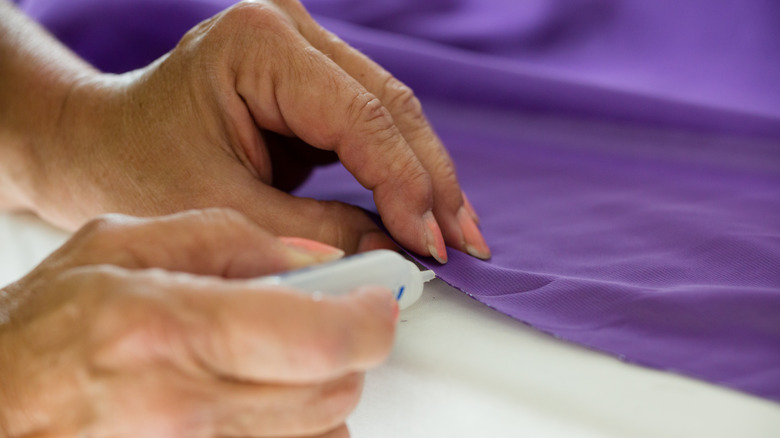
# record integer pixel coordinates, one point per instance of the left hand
(237, 114)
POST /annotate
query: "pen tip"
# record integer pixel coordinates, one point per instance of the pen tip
(427, 276)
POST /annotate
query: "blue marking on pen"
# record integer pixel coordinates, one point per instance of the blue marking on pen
(400, 293)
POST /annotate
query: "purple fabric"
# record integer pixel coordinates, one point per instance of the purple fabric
(624, 157)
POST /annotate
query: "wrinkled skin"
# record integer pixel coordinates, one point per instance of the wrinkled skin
(150, 328)
(236, 115)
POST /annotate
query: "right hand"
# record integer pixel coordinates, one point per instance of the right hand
(150, 328)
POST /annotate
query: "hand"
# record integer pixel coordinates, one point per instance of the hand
(237, 115)
(105, 339)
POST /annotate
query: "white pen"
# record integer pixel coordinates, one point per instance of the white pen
(380, 268)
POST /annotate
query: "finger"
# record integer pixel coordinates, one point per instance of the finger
(240, 330)
(217, 242)
(269, 410)
(450, 209)
(259, 333)
(334, 223)
(470, 209)
(328, 109)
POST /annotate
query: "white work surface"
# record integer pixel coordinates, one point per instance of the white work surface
(460, 369)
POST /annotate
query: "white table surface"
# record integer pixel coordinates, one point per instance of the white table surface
(460, 369)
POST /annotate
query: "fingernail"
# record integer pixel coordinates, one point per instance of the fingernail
(470, 208)
(475, 243)
(376, 240)
(319, 251)
(433, 238)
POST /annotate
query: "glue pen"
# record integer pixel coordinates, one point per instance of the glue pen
(380, 268)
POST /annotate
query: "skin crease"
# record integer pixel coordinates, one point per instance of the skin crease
(183, 133)
(125, 338)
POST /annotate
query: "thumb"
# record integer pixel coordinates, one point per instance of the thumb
(334, 223)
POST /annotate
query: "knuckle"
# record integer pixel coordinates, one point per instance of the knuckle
(405, 178)
(400, 98)
(95, 290)
(259, 15)
(416, 185)
(414, 174)
(99, 225)
(103, 231)
(372, 118)
(367, 108)
(127, 325)
(289, 5)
